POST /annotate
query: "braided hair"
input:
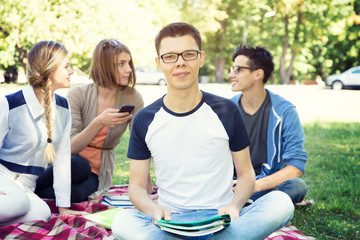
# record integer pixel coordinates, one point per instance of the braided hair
(44, 57)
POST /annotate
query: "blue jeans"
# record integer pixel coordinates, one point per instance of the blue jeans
(296, 188)
(83, 181)
(257, 221)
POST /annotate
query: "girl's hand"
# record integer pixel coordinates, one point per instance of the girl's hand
(66, 211)
(111, 117)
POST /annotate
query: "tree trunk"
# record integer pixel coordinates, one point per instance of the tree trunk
(284, 78)
(4, 31)
(22, 55)
(290, 67)
(357, 11)
(358, 56)
(219, 57)
(220, 68)
(285, 72)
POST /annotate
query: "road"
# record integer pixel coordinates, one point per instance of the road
(312, 102)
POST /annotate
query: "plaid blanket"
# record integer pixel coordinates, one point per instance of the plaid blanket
(64, 227)
(78, 228)
(289, 232)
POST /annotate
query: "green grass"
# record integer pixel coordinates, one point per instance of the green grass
(332, 175)
(121, 171)
(333, 178)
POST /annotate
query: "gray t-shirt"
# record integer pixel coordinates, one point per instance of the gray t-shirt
(257, 127)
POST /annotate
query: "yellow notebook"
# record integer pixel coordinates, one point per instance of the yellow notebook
(104, 218)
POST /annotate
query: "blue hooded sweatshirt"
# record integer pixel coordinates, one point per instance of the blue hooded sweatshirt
(285, 137)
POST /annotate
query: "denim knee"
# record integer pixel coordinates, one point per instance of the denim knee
(296, 188)
(80, 169)
(129, 223)
(300, 185)
(119, 223)
(257, 221)
(283, 206)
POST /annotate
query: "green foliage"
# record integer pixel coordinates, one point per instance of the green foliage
(228, 23)
(333, 178)
(344, 54)
(80, 25)
(332, 175)
(323, 35)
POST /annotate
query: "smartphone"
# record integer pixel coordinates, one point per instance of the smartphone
(127, 108)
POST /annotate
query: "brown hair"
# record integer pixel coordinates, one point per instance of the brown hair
(177, 29)
(103, 69)
(258, 58)
(43, 59)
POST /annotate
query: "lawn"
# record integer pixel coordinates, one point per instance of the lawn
(333, 177)
(332, 174)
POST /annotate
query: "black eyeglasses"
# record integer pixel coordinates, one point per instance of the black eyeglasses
(173, 57)
(111, 42)
(237, 69)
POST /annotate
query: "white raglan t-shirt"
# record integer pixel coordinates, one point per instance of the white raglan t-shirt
(191, 152)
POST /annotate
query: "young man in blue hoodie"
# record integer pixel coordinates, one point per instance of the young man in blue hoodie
(277, 137)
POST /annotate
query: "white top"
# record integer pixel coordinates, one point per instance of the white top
(191, 152)
(23, 139)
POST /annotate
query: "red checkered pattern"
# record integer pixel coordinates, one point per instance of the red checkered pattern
(78, 228)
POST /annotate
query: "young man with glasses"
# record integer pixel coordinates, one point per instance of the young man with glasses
(193, 143)
(277, 137)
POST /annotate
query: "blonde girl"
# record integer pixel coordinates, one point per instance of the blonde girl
(35, 128)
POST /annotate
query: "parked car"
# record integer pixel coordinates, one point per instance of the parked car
(149, 75)
(349, 78)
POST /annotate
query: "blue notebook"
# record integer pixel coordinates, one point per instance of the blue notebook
(117, 201)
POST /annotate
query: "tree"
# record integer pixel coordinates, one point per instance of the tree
(80, 26)
(305, 30)
(24, 23)
(297, 35)
(343, 43)
(305, 37)
(222, 28)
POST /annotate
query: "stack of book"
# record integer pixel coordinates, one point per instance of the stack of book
(198, 228)
(117, 201)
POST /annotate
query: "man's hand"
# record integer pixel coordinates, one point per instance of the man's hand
(66, 211)
(232, 211)
(160, 212)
